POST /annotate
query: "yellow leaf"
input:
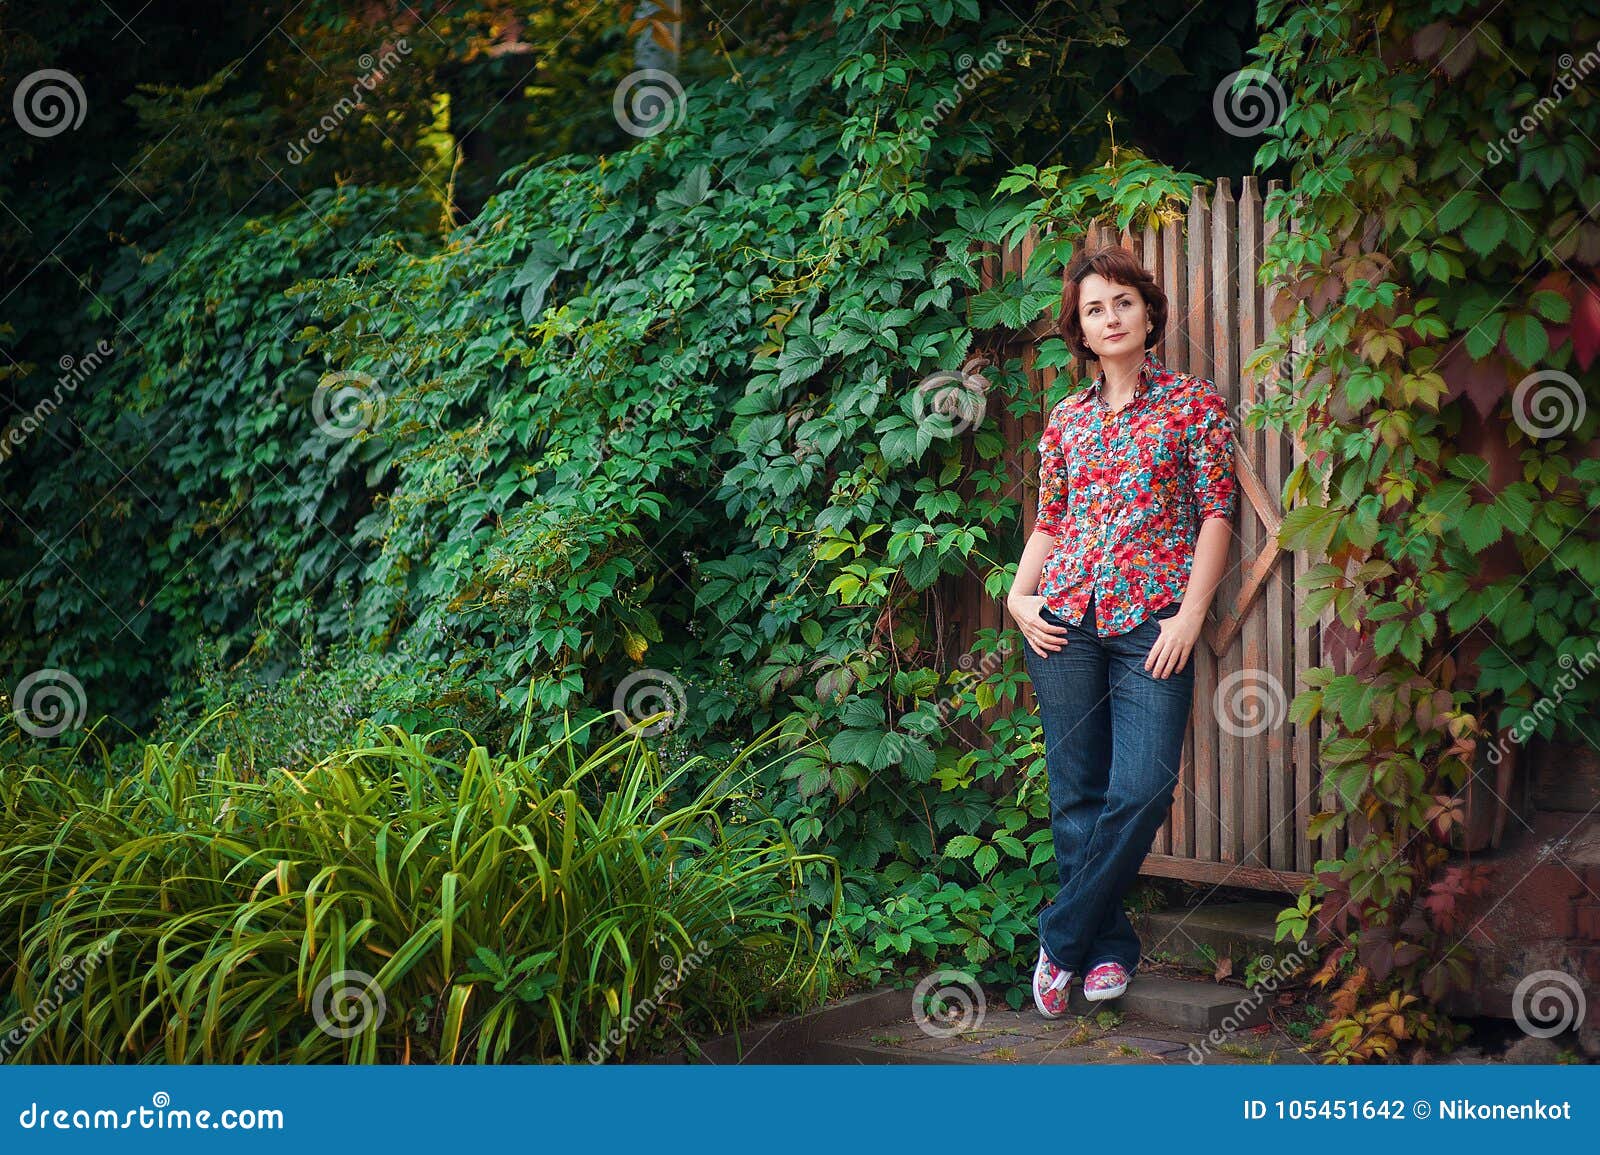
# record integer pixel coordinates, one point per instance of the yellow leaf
(634, 644)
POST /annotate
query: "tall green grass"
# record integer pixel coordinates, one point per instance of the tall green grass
(536, 907)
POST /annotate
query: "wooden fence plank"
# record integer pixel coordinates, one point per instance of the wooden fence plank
(1209, 750)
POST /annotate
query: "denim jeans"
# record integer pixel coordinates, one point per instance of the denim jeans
(1113, 740)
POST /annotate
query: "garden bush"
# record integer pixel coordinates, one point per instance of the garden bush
(390, 905)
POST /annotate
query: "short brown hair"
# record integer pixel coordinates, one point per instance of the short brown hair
(1117, 265)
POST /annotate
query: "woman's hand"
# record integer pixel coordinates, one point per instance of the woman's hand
(1171, 650)
(1045, 637)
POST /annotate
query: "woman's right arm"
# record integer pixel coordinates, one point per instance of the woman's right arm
(1024, 601)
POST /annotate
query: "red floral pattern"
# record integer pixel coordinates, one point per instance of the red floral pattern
(1104, 978)
(1124, 493)
(1051, 987)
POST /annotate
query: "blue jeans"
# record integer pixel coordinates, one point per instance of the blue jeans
(1113, 740)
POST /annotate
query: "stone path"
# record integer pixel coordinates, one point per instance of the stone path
(1106, 1036)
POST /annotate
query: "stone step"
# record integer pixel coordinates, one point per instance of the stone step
(848, 1031)
(1159, 1020)
(1198, 937)
(1193, 1004)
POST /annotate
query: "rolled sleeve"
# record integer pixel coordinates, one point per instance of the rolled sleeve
(1211, 431)
(1052, 481)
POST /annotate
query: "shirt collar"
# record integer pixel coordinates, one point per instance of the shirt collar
(1149, 369)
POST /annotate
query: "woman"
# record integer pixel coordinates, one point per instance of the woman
(1136, 492)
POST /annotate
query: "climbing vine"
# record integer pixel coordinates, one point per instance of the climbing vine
(1443, 293)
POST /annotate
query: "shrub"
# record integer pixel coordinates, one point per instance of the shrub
(388, 905)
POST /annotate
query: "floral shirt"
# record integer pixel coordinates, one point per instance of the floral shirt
(1124, 493)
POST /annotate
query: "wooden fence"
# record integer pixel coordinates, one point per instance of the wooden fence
(1249, 783)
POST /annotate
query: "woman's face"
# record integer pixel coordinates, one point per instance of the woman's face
(1112, 317)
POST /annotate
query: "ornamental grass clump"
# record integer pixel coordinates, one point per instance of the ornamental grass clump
(389, 905)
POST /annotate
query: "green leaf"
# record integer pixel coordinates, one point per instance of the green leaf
(1480, 527)
(1552, 306)
(1486, 231)
(962, 846)
(1527, 339)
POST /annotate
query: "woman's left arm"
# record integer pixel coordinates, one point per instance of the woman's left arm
(1209, 443)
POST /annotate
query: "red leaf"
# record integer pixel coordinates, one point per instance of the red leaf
(1377, 951)
(1586, 324)
(1484, 382)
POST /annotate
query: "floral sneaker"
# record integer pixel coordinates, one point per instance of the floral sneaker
(1050, 987)
(1105, 980)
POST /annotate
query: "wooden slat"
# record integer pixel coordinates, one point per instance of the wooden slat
(1302, 738)
(1148, 250)
(1258, 550)
(1273, 453)
(1197, 329)
(1231, 751)
(1223, 873)
(1259, 557)
(1174, 272)
(1173, 349)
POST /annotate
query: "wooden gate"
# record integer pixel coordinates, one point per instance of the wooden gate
(1249, 782)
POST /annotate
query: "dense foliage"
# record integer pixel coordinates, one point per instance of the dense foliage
(1445, 275)
(492, 414)
(647, 423)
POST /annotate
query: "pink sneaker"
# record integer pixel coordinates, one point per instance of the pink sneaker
(1105, 980)
(1050, 987)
